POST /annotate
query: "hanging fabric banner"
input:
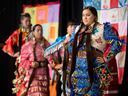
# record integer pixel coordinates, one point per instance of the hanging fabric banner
(115, 12)
(48, 16)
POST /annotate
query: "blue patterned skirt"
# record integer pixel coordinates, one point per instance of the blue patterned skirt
(80, 79)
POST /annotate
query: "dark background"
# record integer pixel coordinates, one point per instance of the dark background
(9, 21)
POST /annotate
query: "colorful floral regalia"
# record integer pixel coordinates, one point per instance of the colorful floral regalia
(100, 36)
(18, 37)
(39, 85)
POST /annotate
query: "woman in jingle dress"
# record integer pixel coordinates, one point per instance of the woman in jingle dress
(35, 65)
(89, 40)
(18, 37)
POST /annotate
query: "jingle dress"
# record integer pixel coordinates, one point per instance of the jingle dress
(8, 48)
(101, 35)
(39, 83)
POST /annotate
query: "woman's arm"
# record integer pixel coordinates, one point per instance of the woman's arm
(50, 57)
(10, 42)
(113, 40)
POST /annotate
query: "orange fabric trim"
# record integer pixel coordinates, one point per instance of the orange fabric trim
(52, 89)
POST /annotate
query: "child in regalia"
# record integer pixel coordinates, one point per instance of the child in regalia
(60, 46)
(65, 55)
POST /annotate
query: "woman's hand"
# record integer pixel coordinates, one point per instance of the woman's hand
(101, 60)
(16, 54)
(59, 66)
(35, 64)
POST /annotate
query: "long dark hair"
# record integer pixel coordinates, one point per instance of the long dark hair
(66, 57)
(65, 64)
(88, 50)
(34, 27)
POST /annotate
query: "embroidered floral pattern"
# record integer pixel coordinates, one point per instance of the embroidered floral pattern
(98, 40)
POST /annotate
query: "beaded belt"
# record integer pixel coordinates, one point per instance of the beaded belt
(95, 53)
(42, 64)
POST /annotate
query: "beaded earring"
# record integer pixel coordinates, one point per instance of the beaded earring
(33, 38)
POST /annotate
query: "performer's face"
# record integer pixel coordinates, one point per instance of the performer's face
(26, 22)
(38, 32)
(87, 17)
(70, 29)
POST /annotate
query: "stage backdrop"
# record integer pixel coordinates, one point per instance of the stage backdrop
(48, 16)
(115, 12)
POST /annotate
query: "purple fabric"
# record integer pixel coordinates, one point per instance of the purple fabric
(53, 15)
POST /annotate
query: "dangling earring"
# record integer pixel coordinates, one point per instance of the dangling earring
(67, 31)
(33, 38)
(23, 30)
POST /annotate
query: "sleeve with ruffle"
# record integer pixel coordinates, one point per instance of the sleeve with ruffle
(113, 40)
(10, 42)
(108, 46)
(50, 57)
(25, 53)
